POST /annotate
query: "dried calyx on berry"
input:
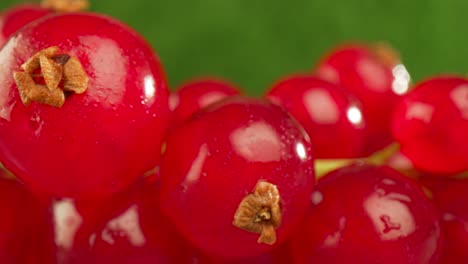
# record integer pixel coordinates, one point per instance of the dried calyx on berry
(48, 75)
(260, 212)
(65, 5)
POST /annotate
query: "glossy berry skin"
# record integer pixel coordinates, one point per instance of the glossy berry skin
(14, 18)
(329, 114)
(450, 196)
(366, 214)
(100, 141)
(25, 226)
(197, 94)
(277, 256)
(375, 80)
(431, 124)
(215, 160)
(128, 228)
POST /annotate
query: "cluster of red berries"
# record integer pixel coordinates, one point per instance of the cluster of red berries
(110, 167)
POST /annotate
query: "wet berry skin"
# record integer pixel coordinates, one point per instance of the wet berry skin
(372, 74)
(16, 17)
(216, 159)
(366, 214)
(450, 196)
(197, 94)
(125, 229)
(431, 125)
(330, 115)
(100, 141)
(25, 226)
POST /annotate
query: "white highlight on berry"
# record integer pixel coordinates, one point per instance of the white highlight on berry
(67, 222)
(317, 197)
(420, 111)
(321, 106)
(354, 115)
(150, 90)
(301, 151)
(459, 96)
(128, 225)
(401, 79)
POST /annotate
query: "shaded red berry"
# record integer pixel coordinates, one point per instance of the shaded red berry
(450, 196)
(26, 236)
(127, 228)
(236, 177)
(197, 94)
(376, 77)
(14, 18)
(367, 214)
(96, 129)
(330, 115)
(431, 124)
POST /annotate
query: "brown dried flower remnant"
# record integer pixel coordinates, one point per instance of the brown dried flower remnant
(66, 5)
(260, 212)
(54, 68)
(386, 54)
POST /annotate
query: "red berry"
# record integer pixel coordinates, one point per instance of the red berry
(366, 214)
(16, 17)
(431, 124)
(331, 117)
(100, 134)
(451, 199)
(278, 256)
(375, 76)
(197, 94)
(25, 233)
(129, 228)
(236, 177)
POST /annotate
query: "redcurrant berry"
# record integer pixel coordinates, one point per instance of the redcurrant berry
(18, 16)
(331, 117)
(197, 94)
(376, 77)
(277, 256)
(450, 196)
(83, 109)
(25, 226)
(431, 124)
(235, 178)
(368, 214)
(128, 228)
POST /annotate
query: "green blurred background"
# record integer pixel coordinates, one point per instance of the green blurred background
(254, 43)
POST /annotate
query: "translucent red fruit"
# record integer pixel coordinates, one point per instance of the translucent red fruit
(101, 139)
(236, 177)
(450, 197)
(367, 214)
(376, 77)
(330, 115)
(128, 228)
(277, 256)
(197, 94)
(25, 226)
(16, 17)
(431, 124)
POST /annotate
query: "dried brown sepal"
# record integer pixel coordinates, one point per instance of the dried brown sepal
(34, 62)
(66, 5)
(75, 78)
(386, 54)
(55, 69)
(260, 212)
(51, 71)
(43, 95)
(24, 82)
